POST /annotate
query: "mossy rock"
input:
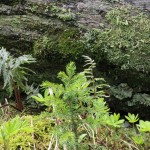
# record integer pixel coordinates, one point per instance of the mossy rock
(64, 41)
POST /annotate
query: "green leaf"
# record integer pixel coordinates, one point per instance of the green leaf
(13, 71)
(113, 120)
(121, 91)
(13, 126)
(144, 126)
(132, 118)
(81, 137)
(67, 137)
(138, 139)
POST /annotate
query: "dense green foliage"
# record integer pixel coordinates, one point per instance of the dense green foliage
(12, 70)
(129, 39)
(69, 102)
(12, 127)
(77, 109)
(120, 46)
(59, 44)
(125, 41)
(122, 49)
(76, 117)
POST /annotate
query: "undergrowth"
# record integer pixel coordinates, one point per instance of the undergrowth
(76, 117)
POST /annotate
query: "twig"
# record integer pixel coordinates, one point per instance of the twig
(51, 142)
(7, 108)
(56, 145)
(130, 145)
(93, 135)
(5, 105)
(64, 147)
(2, 108)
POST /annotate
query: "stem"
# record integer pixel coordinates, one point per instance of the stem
(133, 125)
(56, 145)
(94, 86)
(130, 145)
(51, 142)
(92, 132)
(6, 145)
(19, 104)
(2, 109)
(64, 147)
(74, 129)
(5, 105)
(74, 124)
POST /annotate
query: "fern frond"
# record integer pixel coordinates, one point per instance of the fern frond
(70, 69)
(63, 77)
(25, 59)
(91, 65)
(4, 55)
(12, 70)
(96, 83)
(89, 62)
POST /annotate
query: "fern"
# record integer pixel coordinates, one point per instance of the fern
(12, 70)
(97, 84)
(91, 65)
(66, 101)
(14, 74)
(25, 59)
(69, 103)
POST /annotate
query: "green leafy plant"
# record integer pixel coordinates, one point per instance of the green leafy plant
(138, 139)
(76, 117)
(38, 138)
(144, 126)
(124, 41)
(66, 100)
(140, 99)
(14, 74)
(31, 90)
(12, 127)
(71, 104)
(142, 139)
(79, 113)
(96, 84)
(122, 91)
(113, 120)
(132, 118)
(68, 16)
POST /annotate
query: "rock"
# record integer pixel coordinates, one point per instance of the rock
(142, 4)
(23, 22)
(5, 10)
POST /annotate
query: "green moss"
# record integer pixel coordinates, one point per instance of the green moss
(64, 42)
(18, 33)
(14, 44)
(51, 10)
